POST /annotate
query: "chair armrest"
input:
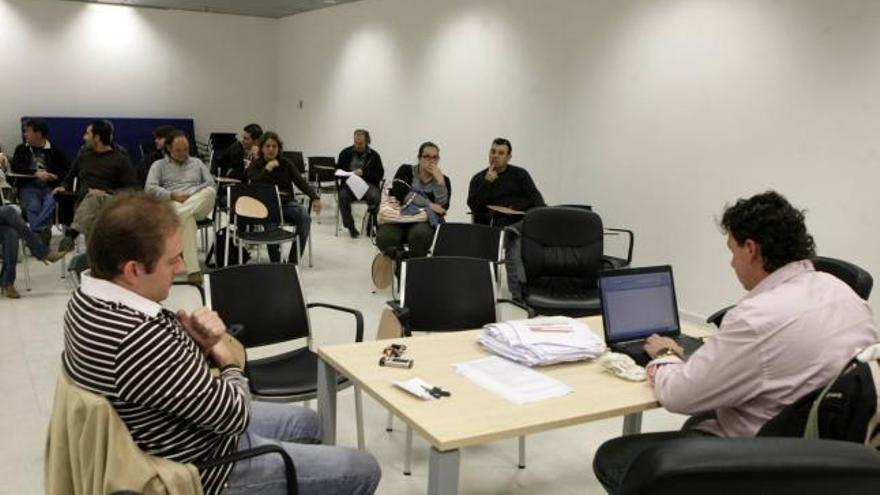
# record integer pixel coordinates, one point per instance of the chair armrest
(402, 315)
(753, 465)
(358, 317)
(716, 317)
(629, 251)
(289, 467)
(524, 307)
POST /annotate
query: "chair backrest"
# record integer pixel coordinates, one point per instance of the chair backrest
(468, 239)
(723, 466)
(561, 248)
(245, 200)
(858, 279)
(296, 157)
(267, 299)
(322, 174)
(446, 293)
(219, 141)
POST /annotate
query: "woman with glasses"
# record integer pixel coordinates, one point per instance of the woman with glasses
(421, 187)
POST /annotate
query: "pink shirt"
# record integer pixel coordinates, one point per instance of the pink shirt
(791, 334)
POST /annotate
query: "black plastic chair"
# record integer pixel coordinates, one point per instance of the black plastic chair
(322, 174)
(562, 256)
(770, 466)
(608, 261)
(257, 218)
(266, 302)
(446, 294)
(468, 239)
(857, 278)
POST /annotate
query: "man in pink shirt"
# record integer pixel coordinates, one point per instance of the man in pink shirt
(791, 333)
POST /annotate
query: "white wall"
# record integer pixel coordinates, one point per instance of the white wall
(76, 59)
(655, 112)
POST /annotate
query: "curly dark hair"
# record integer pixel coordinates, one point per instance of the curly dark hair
(774, 224)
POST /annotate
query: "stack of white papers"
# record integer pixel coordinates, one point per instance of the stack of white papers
(542, 341)
(515, 383)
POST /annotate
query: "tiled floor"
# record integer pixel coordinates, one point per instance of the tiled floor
(559, 462)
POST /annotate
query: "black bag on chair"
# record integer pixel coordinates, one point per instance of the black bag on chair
(216, 255)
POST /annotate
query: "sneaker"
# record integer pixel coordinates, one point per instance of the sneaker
(54, 256)
(10, 292)
(353, 232)
(67, 244)
(46, 235)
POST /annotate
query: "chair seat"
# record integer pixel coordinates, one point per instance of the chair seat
(289, 374)
(267, 236)
(614, 262)
(568, 303)
(205, 222)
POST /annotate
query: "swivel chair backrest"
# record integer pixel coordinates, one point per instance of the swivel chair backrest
(858, 279)
(562, 248)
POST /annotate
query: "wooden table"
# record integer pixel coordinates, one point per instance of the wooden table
(473, 415)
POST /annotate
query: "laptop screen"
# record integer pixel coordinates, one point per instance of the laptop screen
(637, 303)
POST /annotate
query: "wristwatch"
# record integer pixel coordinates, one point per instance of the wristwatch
(667, 352)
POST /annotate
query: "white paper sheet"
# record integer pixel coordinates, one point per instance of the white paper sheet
(357, 185)
(514, 382)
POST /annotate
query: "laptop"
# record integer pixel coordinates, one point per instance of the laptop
(637, 303)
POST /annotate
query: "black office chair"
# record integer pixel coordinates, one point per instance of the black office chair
(857, 278)
(468, 239)
(769, 466)
(562, 256)
(257, 218)
(266, 303)
(608, 261)
(296, 157)
(446, 294)
(322, 174)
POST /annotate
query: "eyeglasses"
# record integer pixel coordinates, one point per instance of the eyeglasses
(431, 158)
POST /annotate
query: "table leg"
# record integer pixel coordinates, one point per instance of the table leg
(632, 424)
(327, 401)
(443, 472)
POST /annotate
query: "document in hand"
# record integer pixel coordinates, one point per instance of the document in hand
(512, 381)
(542, 341)
(357, 185)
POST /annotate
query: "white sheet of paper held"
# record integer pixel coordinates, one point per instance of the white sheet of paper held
(357, 185)
(516, 383)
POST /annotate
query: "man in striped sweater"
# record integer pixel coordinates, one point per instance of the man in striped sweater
(153, 366)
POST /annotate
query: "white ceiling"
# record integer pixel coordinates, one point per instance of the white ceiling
(257, 8)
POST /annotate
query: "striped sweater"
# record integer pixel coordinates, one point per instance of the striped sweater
(137, 355)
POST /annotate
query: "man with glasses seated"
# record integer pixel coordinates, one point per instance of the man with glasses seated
(365, 162)
(416, 188)
(188, 183)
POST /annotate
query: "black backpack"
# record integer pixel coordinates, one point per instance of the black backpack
(215, 257)
(845, 409)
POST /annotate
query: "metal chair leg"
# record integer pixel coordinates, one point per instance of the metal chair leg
(390, 423)
(522, 452)
(26, 266)
(407, 462)
(359, 413)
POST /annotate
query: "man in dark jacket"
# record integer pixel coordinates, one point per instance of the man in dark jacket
(48, 166)
(502, 184)
(234, 161)
(364, 162)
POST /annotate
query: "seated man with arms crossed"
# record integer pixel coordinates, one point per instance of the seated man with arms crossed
(791, 333)
(101, 170)
(188, 183)
(153, 366)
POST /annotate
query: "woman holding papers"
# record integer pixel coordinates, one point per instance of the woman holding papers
(421, 187)
(273, 169)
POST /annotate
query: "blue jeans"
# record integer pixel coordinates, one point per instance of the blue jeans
(319, 469)
(39, 204)
(298, 215)
(13, 228)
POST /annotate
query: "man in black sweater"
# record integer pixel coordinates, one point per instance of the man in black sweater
(238, 156)
(101, 170)
(365, 162)
(48, 166)
(502, 184)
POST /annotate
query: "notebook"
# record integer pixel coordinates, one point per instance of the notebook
(637, 303)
